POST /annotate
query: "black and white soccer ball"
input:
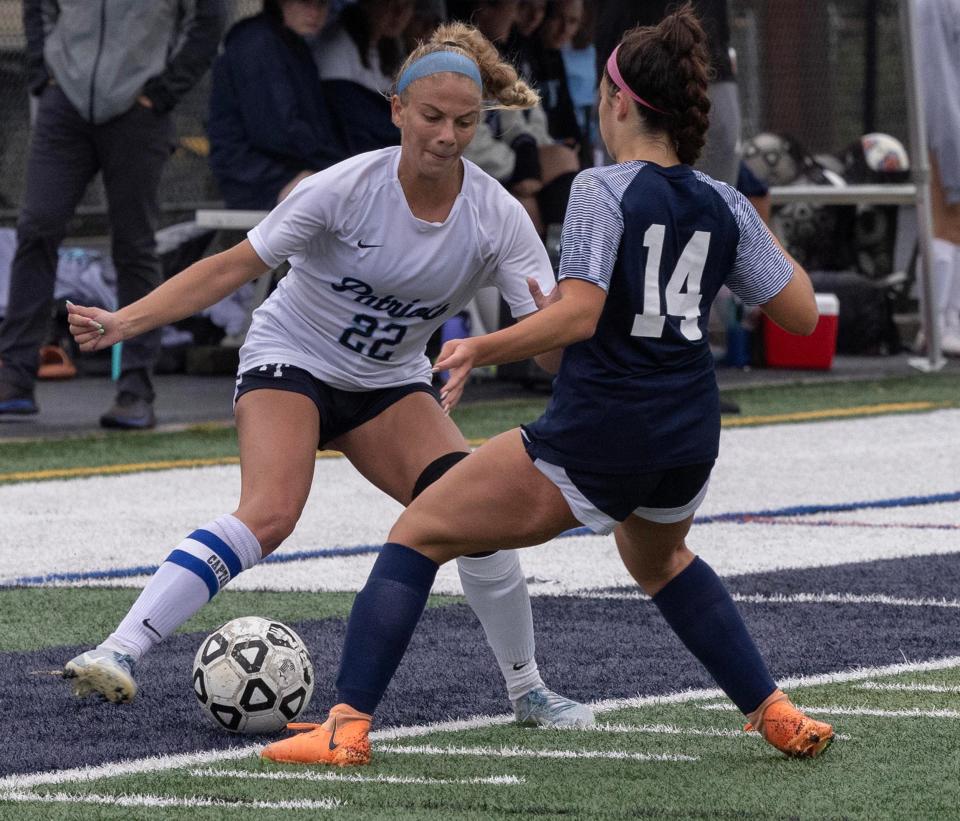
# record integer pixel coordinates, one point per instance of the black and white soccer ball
(253, 675)
(773, 158)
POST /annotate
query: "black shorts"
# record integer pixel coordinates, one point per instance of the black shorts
(601, 500)
(340, 411)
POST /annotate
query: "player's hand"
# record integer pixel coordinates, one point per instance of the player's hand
(457, 358)
(93, 329)
(541, 299)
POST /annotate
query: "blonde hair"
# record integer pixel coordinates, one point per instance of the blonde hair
(502, 87)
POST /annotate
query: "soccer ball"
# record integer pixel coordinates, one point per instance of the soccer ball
(253, 675)
(773, 158)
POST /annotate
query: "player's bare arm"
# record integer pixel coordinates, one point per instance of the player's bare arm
(572, 318)
(193, 289)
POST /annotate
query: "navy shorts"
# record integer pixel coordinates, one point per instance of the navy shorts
(340, 411)
(603, 500)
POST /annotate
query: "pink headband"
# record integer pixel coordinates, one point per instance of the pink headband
(618, 80)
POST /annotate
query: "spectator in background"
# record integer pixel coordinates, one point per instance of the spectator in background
(721, 155)
(427, 15)
(105, 84)
(365, 45)
(269, 123)
(580, 62)
(515, 147)
(530, 15)
(939, 27)
(357, 58)
(548, 71)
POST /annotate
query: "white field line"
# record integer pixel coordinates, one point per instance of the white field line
(163, 801)
(661, 729)
(354, 778)
(672, 729)
(168, 762)
(796, 598)
(907, 688)
(525, 752)
(835, 710)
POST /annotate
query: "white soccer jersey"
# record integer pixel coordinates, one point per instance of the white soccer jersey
(369, 282)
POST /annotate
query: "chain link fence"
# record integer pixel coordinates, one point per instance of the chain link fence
(823, 72)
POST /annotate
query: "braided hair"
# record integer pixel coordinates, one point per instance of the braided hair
(669, 66)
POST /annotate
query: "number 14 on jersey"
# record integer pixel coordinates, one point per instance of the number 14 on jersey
(684, 304)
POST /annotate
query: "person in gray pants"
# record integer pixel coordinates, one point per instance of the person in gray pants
(106, 77)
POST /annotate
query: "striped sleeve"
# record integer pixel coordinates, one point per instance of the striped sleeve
(592, 229)
(761, 270)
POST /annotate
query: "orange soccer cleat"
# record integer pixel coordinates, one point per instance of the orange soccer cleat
(341, 741)
(789, 730)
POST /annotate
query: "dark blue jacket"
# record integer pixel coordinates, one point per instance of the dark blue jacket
(268, 116)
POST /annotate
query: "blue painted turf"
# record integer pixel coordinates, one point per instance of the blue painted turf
(449, 672)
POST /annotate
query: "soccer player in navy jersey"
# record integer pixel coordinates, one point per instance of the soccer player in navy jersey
(629, 438)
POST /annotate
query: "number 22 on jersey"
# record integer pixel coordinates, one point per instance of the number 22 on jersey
(684, 304)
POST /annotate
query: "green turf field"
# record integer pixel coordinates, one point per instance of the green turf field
(896, 757)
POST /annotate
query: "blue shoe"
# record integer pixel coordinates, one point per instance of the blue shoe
(106, 672)
(544, 708)
(17, 400)
(129, 412)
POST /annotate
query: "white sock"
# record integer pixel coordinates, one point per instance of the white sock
(942, 274)
(191, 575)
(497, 591)
(952, 313)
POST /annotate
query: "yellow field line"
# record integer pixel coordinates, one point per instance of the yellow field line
(728, 422)
(831, 413)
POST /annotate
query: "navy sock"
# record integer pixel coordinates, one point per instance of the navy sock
(384, 615)
(699, 609)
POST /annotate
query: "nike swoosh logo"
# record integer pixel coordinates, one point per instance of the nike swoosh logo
(151, 628)
(520, 666)
(362, 244)
(333, 735)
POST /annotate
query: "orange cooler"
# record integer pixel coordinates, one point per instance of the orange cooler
(814, 352)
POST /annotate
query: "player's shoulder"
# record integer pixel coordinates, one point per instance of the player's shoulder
(607, 181)
(733, 199)
(357, 176)
(486, 195)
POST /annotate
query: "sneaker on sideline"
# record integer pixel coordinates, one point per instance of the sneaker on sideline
(544, 708)
(341, 741)
(102, 671)
(129, 412)
(17, 400)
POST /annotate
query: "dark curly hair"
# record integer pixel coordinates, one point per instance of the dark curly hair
(669, 66)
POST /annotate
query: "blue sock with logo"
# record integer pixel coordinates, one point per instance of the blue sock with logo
(703, 615)
(384, 615)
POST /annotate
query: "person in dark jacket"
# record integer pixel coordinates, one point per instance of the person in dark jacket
(543, 59)
(105, 80)
(269, 123)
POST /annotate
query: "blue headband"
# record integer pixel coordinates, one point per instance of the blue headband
(437, 62)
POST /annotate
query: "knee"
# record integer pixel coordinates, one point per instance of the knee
(270, 526)
(435, 470)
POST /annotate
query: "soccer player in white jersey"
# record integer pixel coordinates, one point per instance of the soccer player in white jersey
(632, 430)
(382, 249)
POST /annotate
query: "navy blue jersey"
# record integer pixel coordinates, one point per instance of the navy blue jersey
(641, 394)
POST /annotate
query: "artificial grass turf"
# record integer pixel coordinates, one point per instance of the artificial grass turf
(883, 768)
(35, 617)
(20, 460)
